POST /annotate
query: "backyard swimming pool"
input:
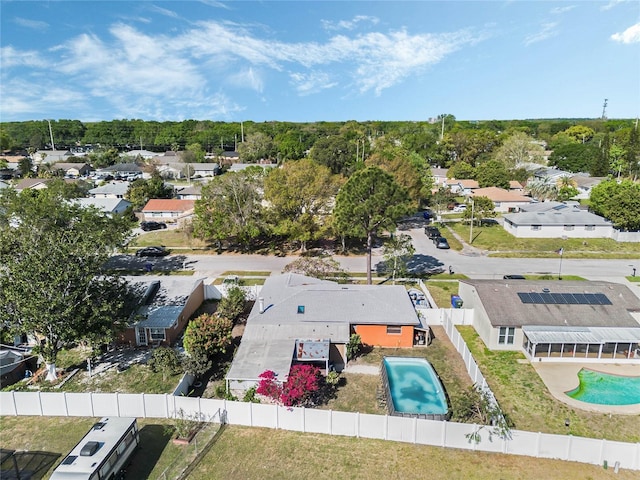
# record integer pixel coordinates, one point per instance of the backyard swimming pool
(413, 388)
(606, 389)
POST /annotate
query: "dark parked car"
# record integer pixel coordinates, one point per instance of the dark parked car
(514, 277)
(432, 232)
(441, 242)
(148, 226)
(152, 252)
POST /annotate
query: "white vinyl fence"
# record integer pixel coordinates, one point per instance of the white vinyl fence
(384, 427)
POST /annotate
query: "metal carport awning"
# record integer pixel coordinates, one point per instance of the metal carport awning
(581, 335)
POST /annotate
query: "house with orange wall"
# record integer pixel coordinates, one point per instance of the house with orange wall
(295, 310)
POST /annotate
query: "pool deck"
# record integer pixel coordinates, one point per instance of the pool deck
(563, 377)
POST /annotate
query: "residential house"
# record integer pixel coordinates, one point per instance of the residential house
(192, 192)
(173, 169)
(167, 209)
(439, 177)
(515, 186)
(122, 170)
(163, 312)
(32, 183)
(73, 169)
(556, 321)
(556, 220)
(110, 206)
(584, 184)
(237, 167)
(205, 169)
(503, 200)
(463, 187)
(116, 189)
(50, 156)
(304, 319)
(145, 154)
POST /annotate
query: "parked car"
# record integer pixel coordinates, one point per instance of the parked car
(432, 232)
(148, 226)
(152, 252)
(459, 208)
(441, 242)
(514, 277)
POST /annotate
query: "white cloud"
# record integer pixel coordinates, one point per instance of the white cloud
(611, 4)
(561, 10)
(164, 11)
(548, 30)
(349, 24)
(10, 57)
(630, 35)
(247, 78)
(32, 24)
(312, 82)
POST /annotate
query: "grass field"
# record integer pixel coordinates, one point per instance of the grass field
(524, 397)
(500, 243)
(257, 453)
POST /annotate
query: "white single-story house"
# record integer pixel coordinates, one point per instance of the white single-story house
(167, 209)
(125, 170)
(146, 154)
(503, 200)
(584, 184)
(556, 320)
(304, 319)
(205, 169)
(557, 221)
(463, 187)
(109, 206)
(116, 189)
(192, 192)
(50, 156)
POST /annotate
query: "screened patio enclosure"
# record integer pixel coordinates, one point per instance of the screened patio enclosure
(597, 343)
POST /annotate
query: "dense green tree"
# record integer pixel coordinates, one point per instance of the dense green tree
(519, 148)
(574, 157)
(619, 202)
(25, 165)
(469, 146)
(230, 207)
(317, 267)
(408, 169)
(566, 188)
(492, 174)
(441, 198)
(370, 202)
(51, 285)
(335, 152)
(580, 133)
(209, 334)
(166, 361)
(232, 305)
(462, 171)
(141, 190)
(193, 153)
(257, 146)
(482, 207)
(300, 195)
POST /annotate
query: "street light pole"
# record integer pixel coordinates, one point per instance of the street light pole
(471, 226)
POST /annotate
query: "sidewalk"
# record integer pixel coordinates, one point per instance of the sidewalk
(467, 249)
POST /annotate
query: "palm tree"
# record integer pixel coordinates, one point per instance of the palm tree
(543, 189)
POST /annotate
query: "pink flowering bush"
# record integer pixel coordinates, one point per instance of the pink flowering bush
(303, 387)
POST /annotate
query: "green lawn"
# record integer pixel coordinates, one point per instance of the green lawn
(523, 396)
(259, 453)
(495, 239)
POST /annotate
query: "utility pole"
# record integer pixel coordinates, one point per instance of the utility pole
(241, 132)
(604, 109)
(473, 204)
(53, 145)
(442, 130)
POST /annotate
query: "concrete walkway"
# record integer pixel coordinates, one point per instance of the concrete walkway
(563, 377)
(363, 369)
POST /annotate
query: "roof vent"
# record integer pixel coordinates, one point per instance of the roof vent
(89, 449)
(301, 309)
(545, 290)
(99, 425)
(261, 304)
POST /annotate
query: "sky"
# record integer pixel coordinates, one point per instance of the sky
(309, 61)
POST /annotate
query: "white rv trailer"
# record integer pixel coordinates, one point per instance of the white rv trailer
(102, 453)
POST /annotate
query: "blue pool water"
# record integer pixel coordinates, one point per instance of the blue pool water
(606, 389)
(415, 387)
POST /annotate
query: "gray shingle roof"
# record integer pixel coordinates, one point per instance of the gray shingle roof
(565, 216)
(504, 308)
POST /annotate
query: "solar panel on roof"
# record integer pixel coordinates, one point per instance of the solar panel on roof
(582, 300)
(571, 300)
(524, 297)
(564, 298)
(602, 299)
(536, 297)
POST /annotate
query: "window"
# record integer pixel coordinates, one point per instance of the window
(394, 330)
(506, 336)
(568, 227)
(590, 228)
(156, 333)
(536, 227)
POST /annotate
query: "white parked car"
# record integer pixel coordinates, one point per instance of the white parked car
(459, 208)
